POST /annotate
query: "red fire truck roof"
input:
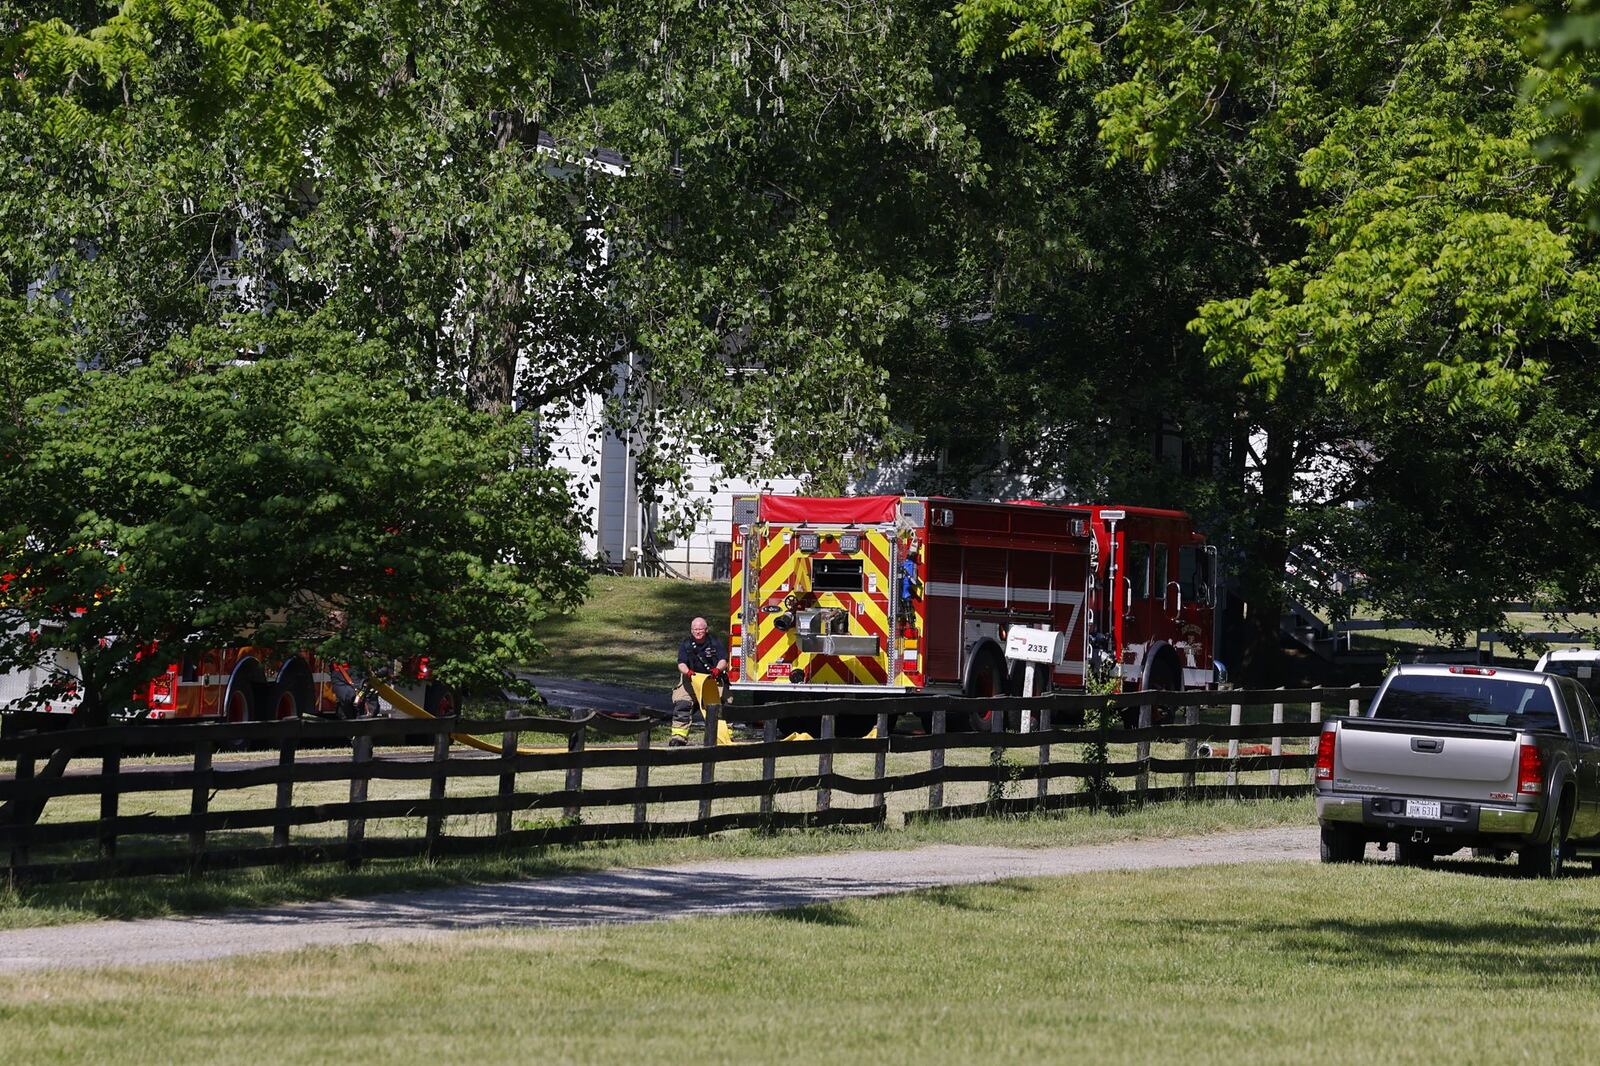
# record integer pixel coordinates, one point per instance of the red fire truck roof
(844, 510)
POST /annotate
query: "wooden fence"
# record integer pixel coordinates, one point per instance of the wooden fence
(89, 822)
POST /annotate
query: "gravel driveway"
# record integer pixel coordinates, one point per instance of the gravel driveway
(733, 886)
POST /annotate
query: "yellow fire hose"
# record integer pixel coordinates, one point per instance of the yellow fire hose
(407, 707)
(709, 692)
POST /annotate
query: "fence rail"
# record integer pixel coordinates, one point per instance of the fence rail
(122, 819)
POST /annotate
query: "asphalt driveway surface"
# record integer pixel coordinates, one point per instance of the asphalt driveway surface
(734, 886)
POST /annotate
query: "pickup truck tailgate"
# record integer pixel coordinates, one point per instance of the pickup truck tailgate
(1427, 762)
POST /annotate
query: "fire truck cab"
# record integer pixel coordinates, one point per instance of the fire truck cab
(902, 594)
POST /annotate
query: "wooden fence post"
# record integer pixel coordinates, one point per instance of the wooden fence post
(436, 789)
(880, 768)
(1235, 718)
(769, 763)
(283, 800)
(110, 793)
(1191, 746)
(356, 827)
(199, 804)
(508, 777)
(641, 775)
(936, 761)
(1355, 704)
(21, 828)
(1142, 752)
(997, 758)
(708, 768)
(1046, 723)
(825, 767)
(1275, 776)
(575, 746)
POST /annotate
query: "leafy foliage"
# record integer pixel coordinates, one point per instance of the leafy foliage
(1317, 272)
(1411, 344)
(299, 497)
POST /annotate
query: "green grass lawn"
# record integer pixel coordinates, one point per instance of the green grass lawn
(628, 630)
(1401, 640)
(1284, 963)
(147, 897)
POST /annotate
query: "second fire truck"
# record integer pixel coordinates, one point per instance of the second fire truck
(904, 594)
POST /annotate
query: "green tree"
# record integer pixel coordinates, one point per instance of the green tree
(425, 174)
(1414, 335)
(206, 499)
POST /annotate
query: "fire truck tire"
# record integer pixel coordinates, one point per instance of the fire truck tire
(986, 678)
(293, 694)
(1018, 677)
(441, 700)
(276, 701)
(1164, 675)
(241, 700)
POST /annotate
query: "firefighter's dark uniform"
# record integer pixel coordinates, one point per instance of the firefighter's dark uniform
(701, 657)
(347, 690)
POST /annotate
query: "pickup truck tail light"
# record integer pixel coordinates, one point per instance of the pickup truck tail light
(1325, 755)
(1530, 770)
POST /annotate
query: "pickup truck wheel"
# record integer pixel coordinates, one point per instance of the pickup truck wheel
(1341, 844)
(1544, 860)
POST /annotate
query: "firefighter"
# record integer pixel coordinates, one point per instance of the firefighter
(698, 653)
(349, 686)
(350, 692)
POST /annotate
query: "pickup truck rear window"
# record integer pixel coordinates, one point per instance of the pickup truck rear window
(1458, 700)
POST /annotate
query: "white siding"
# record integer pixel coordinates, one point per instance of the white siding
(693, 556)
(575, 449)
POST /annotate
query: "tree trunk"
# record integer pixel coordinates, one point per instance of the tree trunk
(1266, 561)
(492, 383)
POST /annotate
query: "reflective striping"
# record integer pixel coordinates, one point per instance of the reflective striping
(999, 592)
(785, 572)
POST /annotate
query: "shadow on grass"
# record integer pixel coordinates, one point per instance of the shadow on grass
(831, 914)
(978, 898)
(180, 894)
(1478, 947)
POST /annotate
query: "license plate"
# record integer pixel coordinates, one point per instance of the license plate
(1421, 809)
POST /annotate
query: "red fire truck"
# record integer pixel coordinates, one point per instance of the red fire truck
(248, 684)
(903, 594)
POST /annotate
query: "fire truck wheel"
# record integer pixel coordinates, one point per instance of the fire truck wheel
(242, 698)
(441, 701)
(1018, 677)
(293, 694)
(988, 678)
(278, 701)
(1166, 676)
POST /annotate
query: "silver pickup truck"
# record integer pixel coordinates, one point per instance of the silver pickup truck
(1452, 757)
